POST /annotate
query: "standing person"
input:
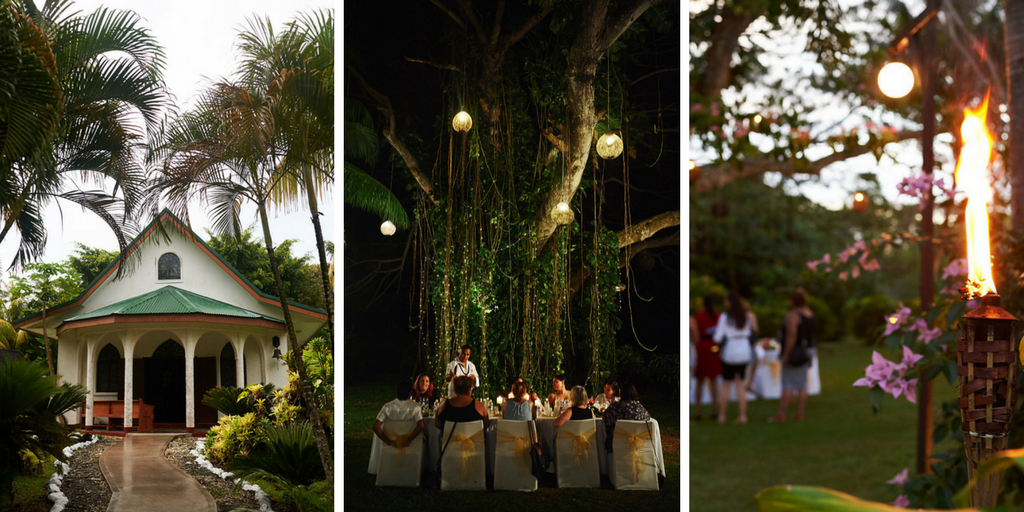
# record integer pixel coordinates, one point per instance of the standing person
(400, 409)
(461, 366)
(709, 365)
(559, 393)
(753, 342)
(799, 325)
(733, 332)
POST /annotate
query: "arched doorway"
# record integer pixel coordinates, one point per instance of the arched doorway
(165, 383)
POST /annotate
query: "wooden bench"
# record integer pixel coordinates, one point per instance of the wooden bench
(112, 409)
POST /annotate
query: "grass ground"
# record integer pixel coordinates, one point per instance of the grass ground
(840, 444)
(362, 403)
(28, 490)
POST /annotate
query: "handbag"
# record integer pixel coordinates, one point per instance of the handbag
(538, 465)
(798, 355)
(434, 474)
(661, 476)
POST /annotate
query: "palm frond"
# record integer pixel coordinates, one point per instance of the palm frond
(368, 194)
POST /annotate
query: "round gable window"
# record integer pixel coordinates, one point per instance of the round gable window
(168, 267)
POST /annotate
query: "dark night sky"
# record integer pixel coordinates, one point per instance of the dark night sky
(378, 36)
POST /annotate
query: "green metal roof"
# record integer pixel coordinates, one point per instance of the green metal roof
(170, 299)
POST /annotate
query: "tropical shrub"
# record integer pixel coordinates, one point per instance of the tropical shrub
(30, 403)
(288, 451)
(865, 315)
(225, 399)
(231, 437)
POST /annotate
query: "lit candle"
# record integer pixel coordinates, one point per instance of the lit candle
(499, 401)
(510, 395)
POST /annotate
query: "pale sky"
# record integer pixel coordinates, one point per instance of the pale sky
(198, 39)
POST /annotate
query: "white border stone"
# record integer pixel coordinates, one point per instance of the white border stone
(261, 497)
(54, 493)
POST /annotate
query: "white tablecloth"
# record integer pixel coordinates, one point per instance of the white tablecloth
(766, 381)
(546, 433)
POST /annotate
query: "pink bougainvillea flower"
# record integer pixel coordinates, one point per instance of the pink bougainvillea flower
(855, 273)
(844, 255)
(956, 268)
(894, 321)
(714, 108)
(813, 265)
(696, 107)
(900, 478)
(877, 372)
(741, 132)
(715, 128)
(901, 502)
(868, 265)
(910, 358)
(910, 390)
(860, 245)
(827, 259)
(843, 276)
(927, 335)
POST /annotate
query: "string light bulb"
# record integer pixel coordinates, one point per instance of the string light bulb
(387, 228)
(462, 122)
(896, 79)
(609, 146)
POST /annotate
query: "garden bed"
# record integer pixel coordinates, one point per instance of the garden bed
(84, 486)
(177, 453)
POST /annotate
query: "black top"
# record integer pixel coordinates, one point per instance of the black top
(805, 330)
(581, 414)
(464, 414)
(427, 399)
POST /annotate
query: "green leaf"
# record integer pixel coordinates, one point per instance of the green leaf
(787, 498)
(876, 395)
(998, 463)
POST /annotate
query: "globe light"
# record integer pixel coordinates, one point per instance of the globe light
(387, 228)
(562, 214)
(462, 122)
(895, 80)
(860, 202)
(609, 146)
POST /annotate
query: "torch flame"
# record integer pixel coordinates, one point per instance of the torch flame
(971, 176)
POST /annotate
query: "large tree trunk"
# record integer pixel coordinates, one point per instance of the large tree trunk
(1014, 35)
(295, 357)
(717, 72)
(307, 175)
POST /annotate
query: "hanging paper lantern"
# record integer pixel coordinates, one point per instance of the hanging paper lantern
(562, 214)
(462, 122)
(609, 146)
(694, 172)
(387, 228)
(860, 202)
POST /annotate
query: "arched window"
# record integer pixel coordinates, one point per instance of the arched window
(108, 370)
(169, 349)
(227, 366)
(168, 267)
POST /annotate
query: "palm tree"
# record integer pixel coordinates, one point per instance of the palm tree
(229, 149)
(108, 69)
(362, 190)
(30, 402)
(306, 111)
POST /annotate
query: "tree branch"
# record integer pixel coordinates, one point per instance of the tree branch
(473, 20)
(614, 27)
(645, 229)
(449, 12)
(724, 41)
(718, 176)
(650, 243)
(450, 67)
(497, 23)
(558, 143)
(384, 105)
(524, 29)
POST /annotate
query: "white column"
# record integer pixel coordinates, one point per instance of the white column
(238, 342)
(191, 338)
(129, 338)
(90, 380)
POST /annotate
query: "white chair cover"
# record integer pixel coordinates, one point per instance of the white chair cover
(512, 456)
(632, 465)
(400, 467)
(463, 464)
(576, 448)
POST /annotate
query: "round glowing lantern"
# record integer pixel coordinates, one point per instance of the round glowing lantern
(895, 80)
(860, 202)
(562, 214)
(609, 146)
(387, 228)
(462, 122)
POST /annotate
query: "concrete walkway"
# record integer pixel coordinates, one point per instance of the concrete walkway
(142, 479)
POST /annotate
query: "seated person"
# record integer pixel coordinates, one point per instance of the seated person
(424, 392)
(560, 392)
(627, 408)
(400, 409)
(462, 407)
(610, 395)
(519, 407)
(580, 409)
(511, 393)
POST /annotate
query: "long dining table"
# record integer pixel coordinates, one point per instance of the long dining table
(546, 433)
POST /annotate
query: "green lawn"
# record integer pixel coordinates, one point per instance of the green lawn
(29, 495)
(840, 445)
(362, 403)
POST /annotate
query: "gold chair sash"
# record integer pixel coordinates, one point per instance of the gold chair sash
(776, 368)
(399, 443)
(580, 444)
(521, 449)
(636, 444)
(467, 452)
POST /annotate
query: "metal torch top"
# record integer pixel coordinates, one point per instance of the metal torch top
(989, 309)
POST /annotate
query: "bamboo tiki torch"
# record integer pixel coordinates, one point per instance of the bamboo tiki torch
(986, 352)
